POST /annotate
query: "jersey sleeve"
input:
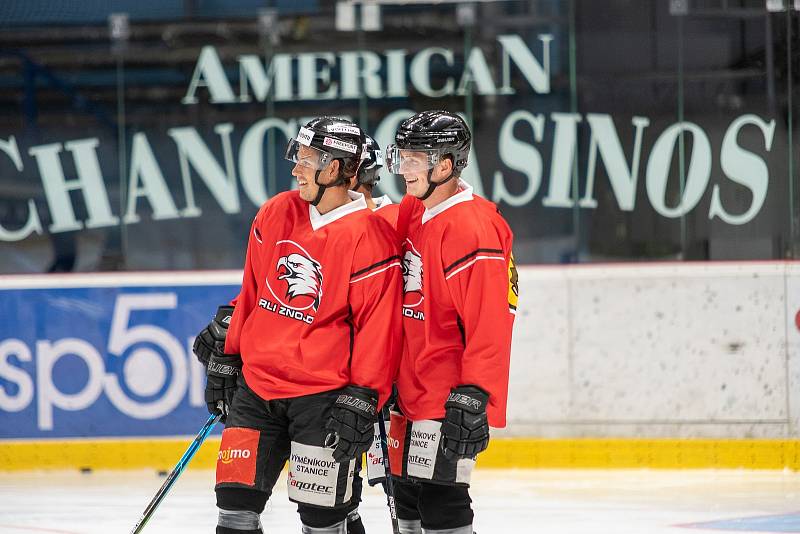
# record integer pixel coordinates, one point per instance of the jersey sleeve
(246, 300)
(477, 264)
(375, 300)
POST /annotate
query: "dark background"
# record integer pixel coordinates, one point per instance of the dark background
(62, 77)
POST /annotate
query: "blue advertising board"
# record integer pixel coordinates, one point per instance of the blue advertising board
(105, 355)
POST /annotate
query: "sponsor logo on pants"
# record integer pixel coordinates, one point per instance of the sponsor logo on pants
(314, 476)
(236, 460)
(423, 459)
(423, 447)
(229, 455)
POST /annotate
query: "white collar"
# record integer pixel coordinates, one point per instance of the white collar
(465, 195)
(318, 220)
(382, 202)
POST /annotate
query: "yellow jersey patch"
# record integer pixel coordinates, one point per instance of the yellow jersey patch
(513, 284)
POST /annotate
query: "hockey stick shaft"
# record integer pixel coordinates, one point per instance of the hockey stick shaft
(176, 472)
(388, 473)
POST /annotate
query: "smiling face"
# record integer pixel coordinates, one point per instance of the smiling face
(308, 161)
(414, 168)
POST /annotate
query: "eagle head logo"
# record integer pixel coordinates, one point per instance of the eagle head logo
(412, 276)
(303, 276)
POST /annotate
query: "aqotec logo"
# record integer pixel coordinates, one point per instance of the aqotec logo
(311, 487)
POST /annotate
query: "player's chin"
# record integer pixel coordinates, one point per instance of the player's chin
(414, 187)
(306, 194)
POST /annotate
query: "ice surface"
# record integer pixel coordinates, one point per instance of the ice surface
(506, 501)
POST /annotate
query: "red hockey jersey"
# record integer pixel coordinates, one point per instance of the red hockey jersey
(387, 209)
(319, 299)
(460, 290)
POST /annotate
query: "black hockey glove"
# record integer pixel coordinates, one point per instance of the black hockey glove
(212, 338)
(465, 429)
(221, 375)
(351, 426)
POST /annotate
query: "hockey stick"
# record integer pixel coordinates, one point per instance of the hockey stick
(176, 472)
(388, 473)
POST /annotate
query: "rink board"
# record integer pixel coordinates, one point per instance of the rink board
(658, 365)
(163, 454)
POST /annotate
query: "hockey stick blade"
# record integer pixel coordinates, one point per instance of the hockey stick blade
(176, 472)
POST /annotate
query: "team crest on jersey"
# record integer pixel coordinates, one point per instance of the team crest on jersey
(412, 279)
(297, 280)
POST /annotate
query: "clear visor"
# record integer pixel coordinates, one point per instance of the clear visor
(403, 161)
(306, 156)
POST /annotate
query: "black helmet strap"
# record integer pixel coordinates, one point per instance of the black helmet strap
(320, 191)
(433, 185)
(322, 187)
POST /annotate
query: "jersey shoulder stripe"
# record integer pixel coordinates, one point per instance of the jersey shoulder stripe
(374, 265)
(470, 256)
(470, 263)
(375, 268)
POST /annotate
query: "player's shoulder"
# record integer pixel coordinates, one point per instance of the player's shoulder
(493, 213)
(284, 199)
(389, 212)
(379, 230)
(470, 219)
(474, 228)
(378, 247)
(485, 205)
(281, 205)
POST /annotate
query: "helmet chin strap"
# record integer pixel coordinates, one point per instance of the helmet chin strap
(322, 187)
(434, 185)
(320, 191)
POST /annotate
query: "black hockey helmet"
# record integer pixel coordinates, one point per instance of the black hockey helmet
(436, 133)
(371, 163)
(330, 138)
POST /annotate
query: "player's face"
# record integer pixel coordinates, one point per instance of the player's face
(304, 171)
(414, 168)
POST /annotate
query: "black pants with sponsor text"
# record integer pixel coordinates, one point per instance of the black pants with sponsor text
(275, 424)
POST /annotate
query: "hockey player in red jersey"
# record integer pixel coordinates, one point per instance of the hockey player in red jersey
(316, 326)
(218, 398)
(368, 175)
(459, 303)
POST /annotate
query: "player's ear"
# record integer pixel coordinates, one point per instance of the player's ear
(445, 166)
(333, 168)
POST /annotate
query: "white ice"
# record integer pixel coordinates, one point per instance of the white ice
(506, 501)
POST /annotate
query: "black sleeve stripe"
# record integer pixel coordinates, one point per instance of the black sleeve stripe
(373, 266)
(472, 255)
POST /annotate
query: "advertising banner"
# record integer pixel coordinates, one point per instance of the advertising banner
(102, 358)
